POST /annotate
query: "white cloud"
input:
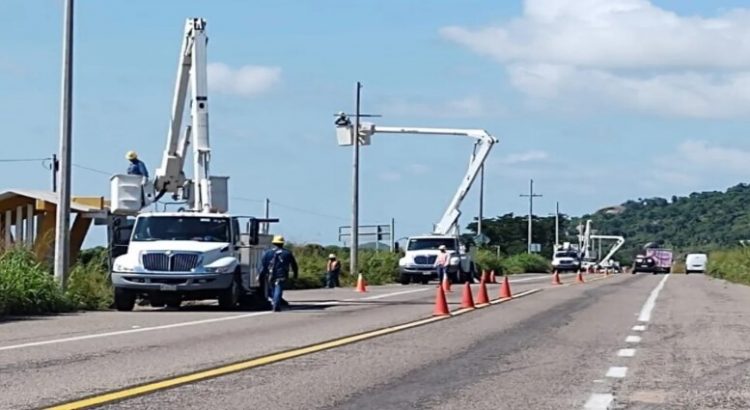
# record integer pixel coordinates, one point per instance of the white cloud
(466, 107)
(419, 169)
(390, 176)
(697, 163)
(528, 156)
(246, 81)
(627, 52)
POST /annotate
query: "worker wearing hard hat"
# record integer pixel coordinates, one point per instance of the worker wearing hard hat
(442, 262)
(136, 167)
(333, 269)
(275, 265)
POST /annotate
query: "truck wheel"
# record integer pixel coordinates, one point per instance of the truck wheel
(174, 303)
(404, 279)
(156, 301)
(425, 281)
(229, 297)
(124, 300)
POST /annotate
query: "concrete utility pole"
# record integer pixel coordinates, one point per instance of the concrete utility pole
(531, 195)
(557, 224)
(354, 249)
(267, 215)
(62, 232)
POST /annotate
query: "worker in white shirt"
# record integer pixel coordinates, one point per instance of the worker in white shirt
(441, 262)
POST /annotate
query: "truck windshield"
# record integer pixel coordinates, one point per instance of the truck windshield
(181, 228)
(566, 255)
(431, 243)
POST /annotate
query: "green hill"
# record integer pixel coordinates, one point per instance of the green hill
(699, 222)
(702, 222)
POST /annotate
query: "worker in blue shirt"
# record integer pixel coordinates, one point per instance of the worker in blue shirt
(136, 167)
(275, 265)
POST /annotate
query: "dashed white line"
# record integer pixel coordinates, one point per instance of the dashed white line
(639, 328)
(645, 315)
(633, 339)
(617, 372)
(599, 401)
(626, 352)
(387, 295)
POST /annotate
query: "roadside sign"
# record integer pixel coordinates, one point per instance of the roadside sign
(481, 239)
(536, 247)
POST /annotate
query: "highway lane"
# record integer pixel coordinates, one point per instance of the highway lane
(630, 342)
(45, 361)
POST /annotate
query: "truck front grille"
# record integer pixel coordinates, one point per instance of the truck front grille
(425, 260)
(178, 262)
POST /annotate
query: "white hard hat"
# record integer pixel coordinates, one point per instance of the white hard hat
(331, 256)
(442, 247)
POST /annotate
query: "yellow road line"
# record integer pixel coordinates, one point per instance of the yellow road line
(153, 387)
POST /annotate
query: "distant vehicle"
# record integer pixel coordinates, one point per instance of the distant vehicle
(654, 260)
(566, 260)
(696, 263)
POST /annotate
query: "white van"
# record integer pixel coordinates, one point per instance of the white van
(696, 263)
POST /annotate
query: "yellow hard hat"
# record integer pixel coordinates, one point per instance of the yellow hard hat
(278, 240)
(131, 155)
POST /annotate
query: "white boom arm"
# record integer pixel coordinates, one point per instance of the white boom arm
(620, 241)
(191, 72)
(448, 223)
(584, 240)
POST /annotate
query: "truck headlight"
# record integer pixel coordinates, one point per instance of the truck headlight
(402, 262)
(219, 269)
(120, 267)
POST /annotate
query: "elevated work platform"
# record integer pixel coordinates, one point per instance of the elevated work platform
(27, 217)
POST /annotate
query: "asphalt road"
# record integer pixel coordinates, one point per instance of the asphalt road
(610, 343)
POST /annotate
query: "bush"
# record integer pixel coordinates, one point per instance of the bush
(26, 286)
(486, 259)
(377, 267)
(732, 265)
(525, 263)
(89, 285)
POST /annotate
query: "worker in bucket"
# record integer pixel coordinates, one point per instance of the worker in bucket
(442, 262)
(333, 270)
(275, 265)
(136, 167)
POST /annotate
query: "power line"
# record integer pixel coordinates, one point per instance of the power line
(25, 159)
(98, 171)
(291, 208)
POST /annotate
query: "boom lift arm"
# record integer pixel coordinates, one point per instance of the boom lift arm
(132, 193)
(616, 247)
(448, 223)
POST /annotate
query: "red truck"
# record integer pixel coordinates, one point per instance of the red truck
(655, 261)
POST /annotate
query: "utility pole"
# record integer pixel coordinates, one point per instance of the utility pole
(267, 215)
(354, 249)
(62, 231)
(55, 167)
(531, 195)
(557, 224)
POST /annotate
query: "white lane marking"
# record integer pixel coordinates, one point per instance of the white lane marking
(626, 352)
(645, 315)
(617, 372)
(599, 401)
(129, 331)
(525, 279)
(387, 295)
(639, 328)
(633, 339)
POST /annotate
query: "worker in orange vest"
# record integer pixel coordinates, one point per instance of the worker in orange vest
(333, 270)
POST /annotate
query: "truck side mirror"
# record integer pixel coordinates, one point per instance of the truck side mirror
(253, 228)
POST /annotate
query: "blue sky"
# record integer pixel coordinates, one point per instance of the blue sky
(599, 101)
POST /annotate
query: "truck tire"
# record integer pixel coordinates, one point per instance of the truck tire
(124, 300)
(230, 297)
(404, 279)
(174, 303)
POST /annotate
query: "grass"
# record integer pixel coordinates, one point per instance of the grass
(26, 286)
(732, 265)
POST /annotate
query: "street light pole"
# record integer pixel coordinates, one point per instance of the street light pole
(354, 247)
(62, 228)
(531, 197)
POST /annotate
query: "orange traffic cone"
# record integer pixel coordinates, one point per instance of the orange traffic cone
(505, 289)
(579, 278)
(482, 297)
(485, 276)
(556, 278)
(493, 279)
(467, 300)
(441, 305)
(361, 284)
(446, 283)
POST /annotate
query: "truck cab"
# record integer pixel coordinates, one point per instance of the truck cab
(418, 263)
(173, 257)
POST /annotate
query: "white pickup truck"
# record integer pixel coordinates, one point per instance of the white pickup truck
(418, 264)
